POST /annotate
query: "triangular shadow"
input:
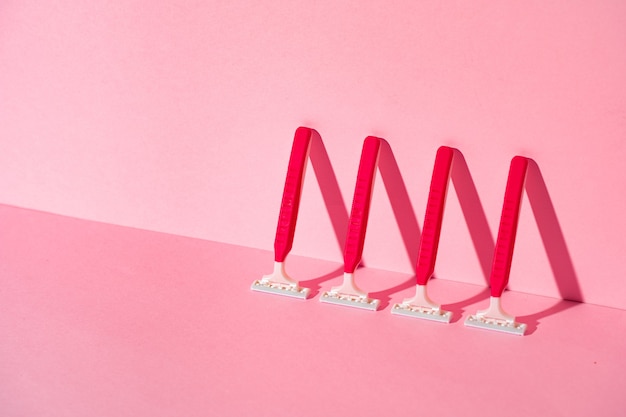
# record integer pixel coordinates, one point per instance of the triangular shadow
(477, 225)
(331, 194)
(552, 235)
(404, 216)
(473, 213)
(335, 205)
(400, 201)
(555, 246)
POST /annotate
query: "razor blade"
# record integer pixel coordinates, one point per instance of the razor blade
(421, 312)
(422, 307)
(290, 290)
(279, 282)
(495, 318)
(350, 300)
(499, 325)
(348, 294)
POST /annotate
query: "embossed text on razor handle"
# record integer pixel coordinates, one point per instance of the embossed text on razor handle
(505, 243)
(291, 195)
(429, 242)
(359, 214)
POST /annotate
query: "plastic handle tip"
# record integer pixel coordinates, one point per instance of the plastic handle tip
(505, 243)
(361, 204)
(291, 194)
(429, 241)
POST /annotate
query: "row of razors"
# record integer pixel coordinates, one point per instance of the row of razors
(420, 306)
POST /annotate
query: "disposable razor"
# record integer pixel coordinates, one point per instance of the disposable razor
(421, 306)
(279, 282)
(495, 318)
(348, 293)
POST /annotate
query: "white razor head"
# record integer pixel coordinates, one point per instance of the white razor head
(505, 326)
(428, 313)
(350, 300)
(289, 290)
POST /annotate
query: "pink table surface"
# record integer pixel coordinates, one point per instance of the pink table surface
(102, 320)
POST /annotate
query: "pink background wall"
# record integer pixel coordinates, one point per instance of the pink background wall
(178, 118)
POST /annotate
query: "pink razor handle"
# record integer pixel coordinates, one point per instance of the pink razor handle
(505, 243)
(291, 194)
(353, 250)
(429, 242)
